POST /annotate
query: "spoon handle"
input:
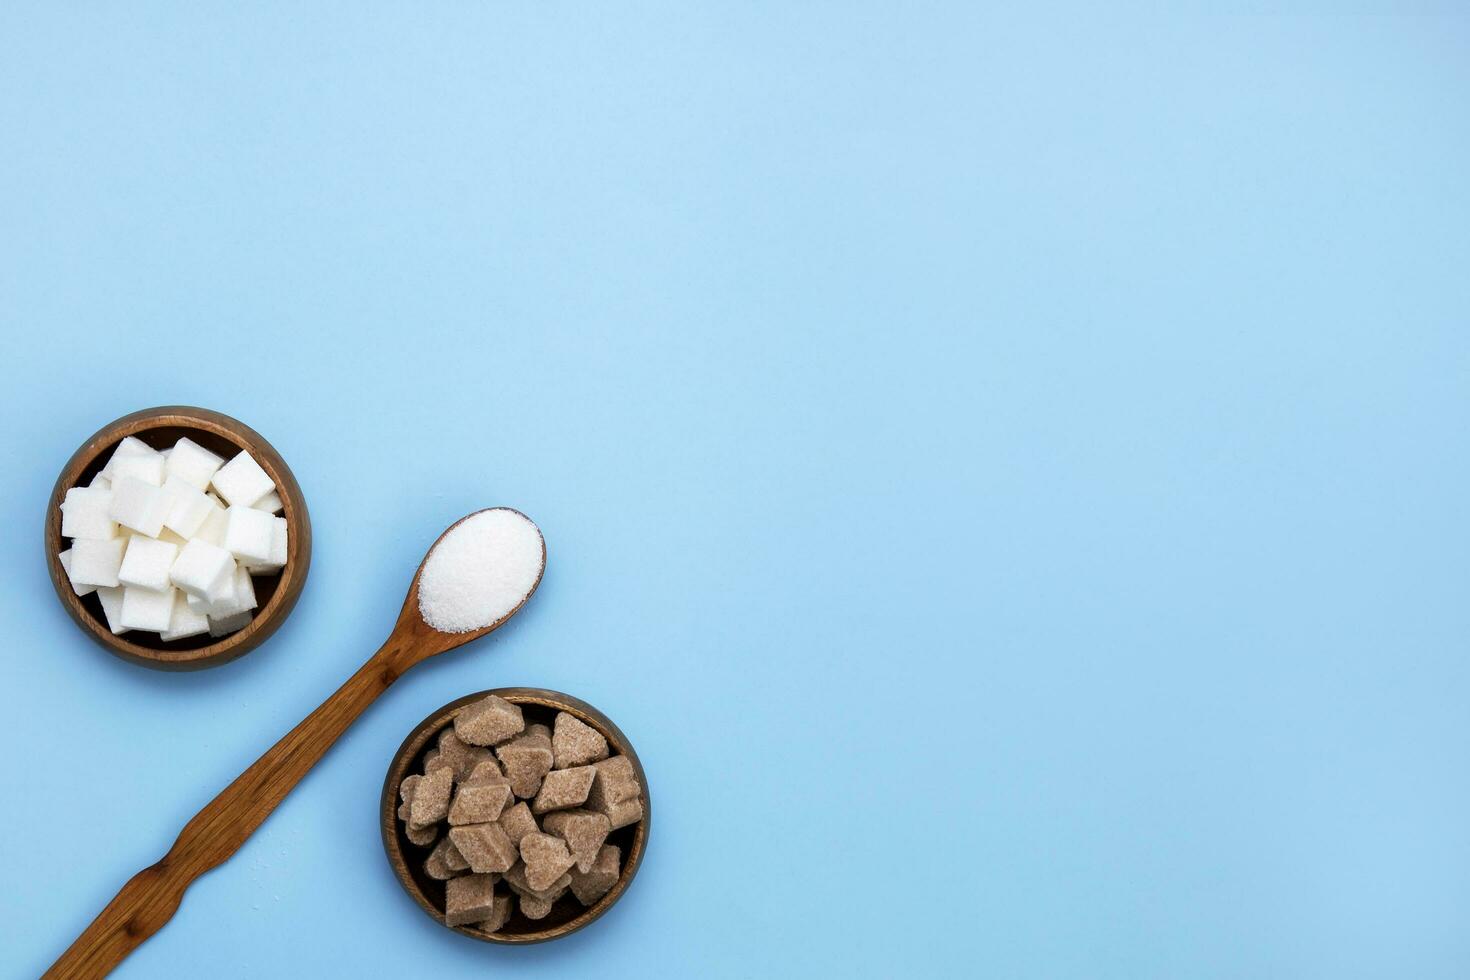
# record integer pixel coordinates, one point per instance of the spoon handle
(151, 897)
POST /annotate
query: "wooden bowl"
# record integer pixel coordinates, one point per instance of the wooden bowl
(568, 915)
(277, 593)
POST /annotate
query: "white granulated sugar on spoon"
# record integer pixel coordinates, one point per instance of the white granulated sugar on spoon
(480, 570)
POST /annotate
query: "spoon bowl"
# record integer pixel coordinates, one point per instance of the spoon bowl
(429, 641)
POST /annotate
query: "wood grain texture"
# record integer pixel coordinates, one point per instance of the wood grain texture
(277, 593)
(152, 896)
(567, 916)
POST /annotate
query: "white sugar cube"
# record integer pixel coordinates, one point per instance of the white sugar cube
(80, 590)
(188, 507)
(242, 482)
(270, 503)
(241, 598)
(146, 563)
(228, 624)
(245, 590)
(171, 537)
(138, 505)
(224, 588)
(112, 607)
(201, 568)
(184, 622)
(193, 464)
(248, 534)
(84, 514)
(213, 528)
(147, 467)
(131, 446)
(277, 558)
(96, 562)
(278, 543)
(100, 482)
(221, 604)
(145, 609)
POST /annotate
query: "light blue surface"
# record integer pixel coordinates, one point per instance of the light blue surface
(1007, 473)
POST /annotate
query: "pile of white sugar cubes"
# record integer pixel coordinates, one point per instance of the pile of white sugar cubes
(169, 540)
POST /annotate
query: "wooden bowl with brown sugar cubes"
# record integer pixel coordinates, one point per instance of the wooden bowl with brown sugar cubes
(515, 816)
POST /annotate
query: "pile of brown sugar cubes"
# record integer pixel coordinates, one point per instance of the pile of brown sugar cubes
(525, 805)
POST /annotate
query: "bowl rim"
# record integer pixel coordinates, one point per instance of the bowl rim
(293, 575)
(435, 722)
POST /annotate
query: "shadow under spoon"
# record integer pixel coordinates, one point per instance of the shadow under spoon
(460, 561)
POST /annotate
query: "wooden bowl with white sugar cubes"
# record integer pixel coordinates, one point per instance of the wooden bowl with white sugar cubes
(177, 538)
(515, 816)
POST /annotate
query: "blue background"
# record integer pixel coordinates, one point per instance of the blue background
(1006, 472)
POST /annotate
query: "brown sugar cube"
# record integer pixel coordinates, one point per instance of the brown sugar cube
(469, 898)
(546, 859)
(433, 761)
(517, 822)
(478, 803)
(439, 865)
(616, 792)
(453, 860)
(557, 890)
(538, 730)
(458, 756)
(516, 879)
(527, 760)
(563, 788)
(434, 865)
(430, 799)
(405, 794)
(485, 846)
(422, 836)
(584, 832)
(575, 743)
(487, 772)
(592, 884)
(616, 781)
(620, 815)
(504, 906)
(489, 721)
(535, 908)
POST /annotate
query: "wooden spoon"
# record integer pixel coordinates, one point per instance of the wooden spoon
(152, 896)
